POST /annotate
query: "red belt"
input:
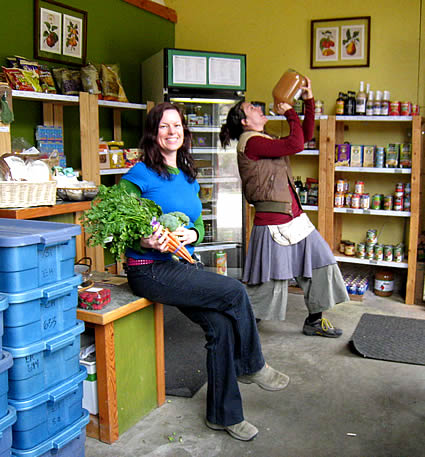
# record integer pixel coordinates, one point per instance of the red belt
(133, 262)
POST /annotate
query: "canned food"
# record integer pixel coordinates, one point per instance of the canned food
(398, 253)
(405, 109)
(407, 188)
(342, 246)
(371, 236)
(365, 201)
(339, 200)
(347, 199)
(415, 110)
(318, 108)
(360, 250)
(377, 201)
(378, 252)
(406, 203)
(370, 251)
(340, 185)
(394, 109)
(398, 204)
(349, 248)
(388, 202)
(355, 201)
(359, 187)
(388, 253)
(221, 263)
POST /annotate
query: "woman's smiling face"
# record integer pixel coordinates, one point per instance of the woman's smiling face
(170, 135)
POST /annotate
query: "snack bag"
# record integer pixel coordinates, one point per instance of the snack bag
(46, 80)
(90, 80)
(17, 79)
(112, 88)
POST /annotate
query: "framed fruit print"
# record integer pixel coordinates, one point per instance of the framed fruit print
(60, 33)
(341, 42)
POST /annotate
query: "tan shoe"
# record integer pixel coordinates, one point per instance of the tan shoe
(243, 431)
(267, 378)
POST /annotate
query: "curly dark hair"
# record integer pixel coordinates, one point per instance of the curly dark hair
(233, 127)
(152, 156)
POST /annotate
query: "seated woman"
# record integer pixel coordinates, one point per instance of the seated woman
(217, 303)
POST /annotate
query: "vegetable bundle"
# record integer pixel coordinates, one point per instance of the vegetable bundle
(121, 219)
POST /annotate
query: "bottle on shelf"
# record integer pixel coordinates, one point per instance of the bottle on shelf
(369, 103)
(361, 100)
(351, 103)
(377, 103)
(385, 104)
(339, 106)
(298, 185)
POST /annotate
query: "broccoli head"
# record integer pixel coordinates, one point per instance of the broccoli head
(173, 220)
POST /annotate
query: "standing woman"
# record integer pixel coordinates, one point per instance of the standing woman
(284, 244)
(217, 303)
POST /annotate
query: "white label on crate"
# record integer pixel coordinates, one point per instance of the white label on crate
(94, 289)
(384, 286)
(4, 128)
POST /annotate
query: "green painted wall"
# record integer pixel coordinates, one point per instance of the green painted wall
(117, 33)
(136, 367)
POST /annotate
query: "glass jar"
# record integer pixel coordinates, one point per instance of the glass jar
(288, 88)
(384, 283)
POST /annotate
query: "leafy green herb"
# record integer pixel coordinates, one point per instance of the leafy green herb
(124, 217)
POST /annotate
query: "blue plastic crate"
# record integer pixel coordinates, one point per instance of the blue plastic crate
(68, 443)
(48, 413)
(5, 363)
(39, 313)
(42, 365)
(35, 253)
(6, 432)
(4, 303)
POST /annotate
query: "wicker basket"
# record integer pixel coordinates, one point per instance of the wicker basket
(22, 194)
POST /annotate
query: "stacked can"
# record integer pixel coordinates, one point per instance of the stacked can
(356, 284)
(380, 157)
(371, 241)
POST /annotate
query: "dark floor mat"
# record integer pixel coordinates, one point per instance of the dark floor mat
(396, 339)
(185, 354)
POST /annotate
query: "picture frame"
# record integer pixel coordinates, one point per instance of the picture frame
(340, 42)
(60, 33)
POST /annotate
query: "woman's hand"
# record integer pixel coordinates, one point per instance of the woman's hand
(307, 91)
(283, 107)
(156, 241)
(186, 236)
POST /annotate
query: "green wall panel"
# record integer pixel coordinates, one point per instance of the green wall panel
(117, 33)
(135, 363)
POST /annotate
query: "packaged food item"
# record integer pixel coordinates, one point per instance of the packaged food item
(406, 155)
(356, 155)
(359, 187)
(355, 201)
(47, 82)
(131, 156)
(68, 81)
(221, 263)
(349, 248)
(339, 200)
(388, 253)
(116, 159)
(388, 202)
(342, 154)
(394, 108)
(384, 283)
(405, 108)
(392, 154)
(110, 80)
(368, 156)
(340, 185)
(360, 250)
(377, 201)
(380, 157)
(90, 80)
(288, 88)
(364, 201)
(378, 252)
(18, 80)
(372, 236)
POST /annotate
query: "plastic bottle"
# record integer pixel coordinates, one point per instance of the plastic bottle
(377, 103)
(339, 106)
(385, 104)
(361, 100)
(369, 103)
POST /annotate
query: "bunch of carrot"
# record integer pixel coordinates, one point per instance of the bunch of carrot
(173, 244)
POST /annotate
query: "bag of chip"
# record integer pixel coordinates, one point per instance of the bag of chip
(90, 80)
(17, 79)
(112, 88)
(68, 81)
(46, 80)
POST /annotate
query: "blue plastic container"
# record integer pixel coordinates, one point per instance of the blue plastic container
(35, 253)
(48, 413)
(68, 443)
(5, 363)
(6, 432)
(4, 303)
(42, 365)
(37, 314)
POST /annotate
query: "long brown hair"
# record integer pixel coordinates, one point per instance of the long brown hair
(152, 156)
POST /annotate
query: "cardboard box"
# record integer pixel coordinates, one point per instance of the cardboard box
(342, 154)
(406, 155)
(392, 154)
(356, 155)
(369, 156)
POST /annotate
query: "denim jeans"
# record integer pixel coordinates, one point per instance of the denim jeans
(220, 305)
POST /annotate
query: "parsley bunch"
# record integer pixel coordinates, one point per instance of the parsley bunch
(124, 217)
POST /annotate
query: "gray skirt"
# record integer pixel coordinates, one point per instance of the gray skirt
(267, 260)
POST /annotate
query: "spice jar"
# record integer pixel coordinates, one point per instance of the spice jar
(288, 88)
(384, 283)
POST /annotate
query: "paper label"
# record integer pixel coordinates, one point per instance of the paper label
(384, 286)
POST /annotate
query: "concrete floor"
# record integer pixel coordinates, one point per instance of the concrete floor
(337, 404)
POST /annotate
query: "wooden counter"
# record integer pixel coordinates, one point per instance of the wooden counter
(123, 306)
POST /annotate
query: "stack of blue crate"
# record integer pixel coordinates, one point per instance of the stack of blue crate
(7, 413)
(42, 335)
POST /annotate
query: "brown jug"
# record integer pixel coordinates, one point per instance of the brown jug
(288, 88)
